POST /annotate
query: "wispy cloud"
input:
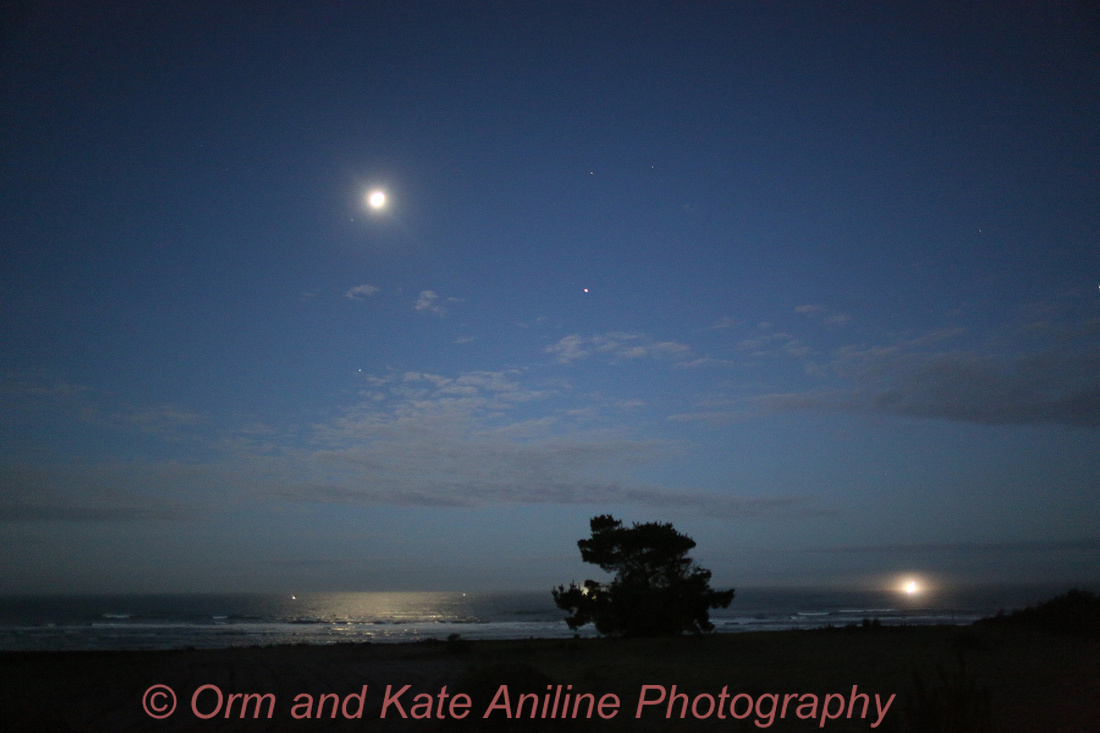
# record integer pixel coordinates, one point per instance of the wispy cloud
(165, 419)
(1021, 372)
(361, 291)
(76, 404)
(459, 494)
(774, 345)
(824, 315)
(430, 302)
(23, 386)
(424, 439)
(617, 346)
(1053, 386)
(714, 418)
(704, 361)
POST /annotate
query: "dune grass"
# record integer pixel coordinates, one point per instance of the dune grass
(979, 678)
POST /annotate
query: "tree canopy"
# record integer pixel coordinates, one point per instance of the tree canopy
(657, 589)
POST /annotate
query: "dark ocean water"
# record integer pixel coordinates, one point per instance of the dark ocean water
(215, 620)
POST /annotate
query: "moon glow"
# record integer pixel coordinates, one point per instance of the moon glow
(376, 199)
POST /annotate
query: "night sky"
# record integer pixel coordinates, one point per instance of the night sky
(817, 282)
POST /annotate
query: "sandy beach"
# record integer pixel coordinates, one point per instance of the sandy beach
(892, 679)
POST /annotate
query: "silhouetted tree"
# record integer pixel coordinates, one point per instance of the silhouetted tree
(657, 590)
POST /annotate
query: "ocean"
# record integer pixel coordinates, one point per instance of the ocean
(102, 622)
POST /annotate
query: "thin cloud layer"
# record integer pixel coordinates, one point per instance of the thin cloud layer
(430, 302)
(470, 441)
(475, 439)
(616, 346)
(361, 291)
(91, 494)
(430, 440)
(1087, 543)
(774, 345)
(1050, 387)
(467, 495)
(825, 315)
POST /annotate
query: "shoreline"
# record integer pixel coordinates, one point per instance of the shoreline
(1032, 680)
(152, 621)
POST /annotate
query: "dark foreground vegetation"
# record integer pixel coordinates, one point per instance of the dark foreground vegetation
(1002, 677)
(1075, 612)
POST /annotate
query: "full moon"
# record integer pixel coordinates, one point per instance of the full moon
(376, 199)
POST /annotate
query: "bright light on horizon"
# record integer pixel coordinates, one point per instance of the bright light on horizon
(912, 585)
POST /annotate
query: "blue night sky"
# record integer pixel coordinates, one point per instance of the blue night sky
(818, 283)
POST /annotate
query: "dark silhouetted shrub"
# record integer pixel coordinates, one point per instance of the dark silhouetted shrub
(657, 590)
